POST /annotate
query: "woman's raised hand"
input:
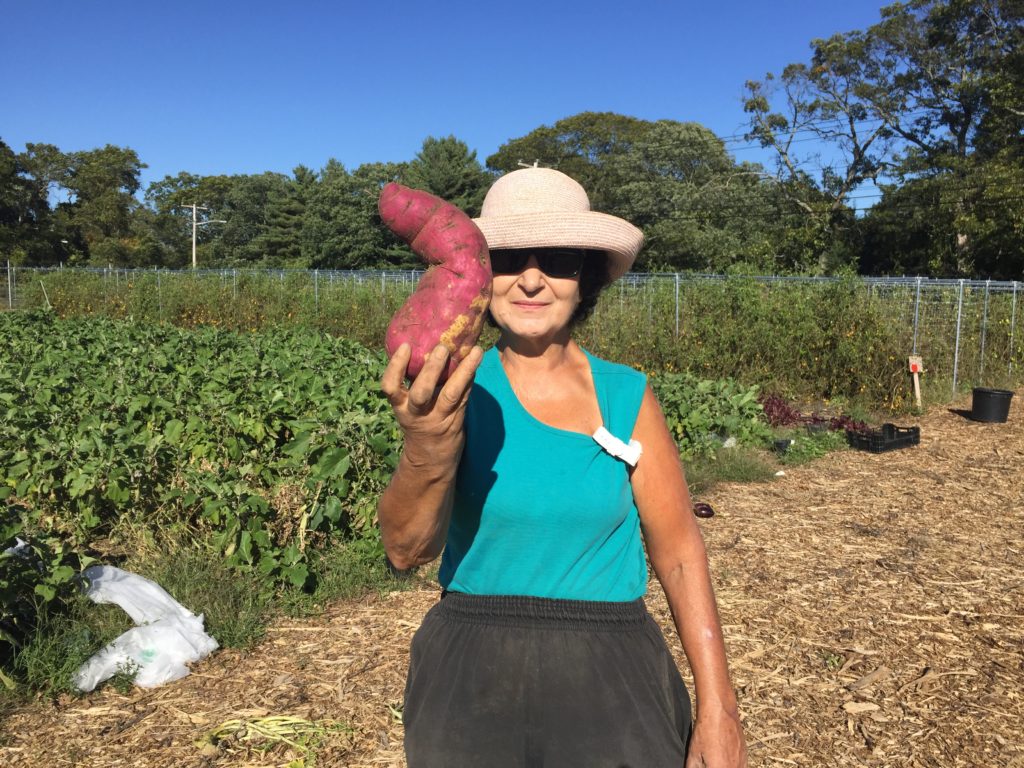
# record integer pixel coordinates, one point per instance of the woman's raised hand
(415, 508)
(430, 416)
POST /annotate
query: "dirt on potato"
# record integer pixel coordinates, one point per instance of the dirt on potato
(873, 607)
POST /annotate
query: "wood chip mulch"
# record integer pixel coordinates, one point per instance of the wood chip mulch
(873, 607)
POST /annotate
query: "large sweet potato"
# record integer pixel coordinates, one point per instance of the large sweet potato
(451, 299)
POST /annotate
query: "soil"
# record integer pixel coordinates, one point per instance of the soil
(873, 608)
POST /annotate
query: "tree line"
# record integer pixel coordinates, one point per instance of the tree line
(921, 115)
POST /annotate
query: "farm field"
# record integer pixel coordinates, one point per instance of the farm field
(845, 338)
(873, 607)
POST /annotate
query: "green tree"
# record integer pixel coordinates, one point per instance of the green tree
(31, 232)
(159, 241)
(19, 218)
(993, 219)
(933, 90)
(46, 168)
(392, 253)
(938, 72)
(342, 229)
(911, 230)
(581, 146)
(903, 236)
(101, 184)
(447, 168)
(171, 200)
(282, 241)
(305, 181)
(698, 209)
(175, 194)
(821, 105)
(246, 239)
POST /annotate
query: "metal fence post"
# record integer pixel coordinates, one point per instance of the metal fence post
(984, 329)
(917, 309)
(10, 290)
(889, 290)
(677, 305)
(1013, 322)
(649, 291)
(956, 348)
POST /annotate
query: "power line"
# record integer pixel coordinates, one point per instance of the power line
(743, 139)
(789, 208)
(814, 126)
(946, 186)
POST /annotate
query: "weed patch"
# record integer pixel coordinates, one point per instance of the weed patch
(805, 447)
(235, 604)
(66, 635)
(728, 465)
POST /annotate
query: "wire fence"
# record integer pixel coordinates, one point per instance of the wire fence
(967, 331)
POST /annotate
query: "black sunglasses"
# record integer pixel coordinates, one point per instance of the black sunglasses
(553, 262)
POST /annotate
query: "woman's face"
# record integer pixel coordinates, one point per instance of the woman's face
(533, 305)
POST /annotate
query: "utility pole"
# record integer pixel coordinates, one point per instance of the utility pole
(196, 224)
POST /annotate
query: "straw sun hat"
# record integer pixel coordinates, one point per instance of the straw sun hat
(544, 208)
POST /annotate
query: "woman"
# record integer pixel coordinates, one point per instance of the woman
(541, 472)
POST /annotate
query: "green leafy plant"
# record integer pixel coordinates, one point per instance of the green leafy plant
(702, 414)
(35, 573)
(728, 465)
(835, 339)
(66, 634)
(123, 680)
(269, 445)
(805, 448)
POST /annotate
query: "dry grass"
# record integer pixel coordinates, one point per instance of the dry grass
(873, 607)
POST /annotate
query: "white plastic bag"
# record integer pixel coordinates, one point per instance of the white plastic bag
(20, 548)
(167, 638)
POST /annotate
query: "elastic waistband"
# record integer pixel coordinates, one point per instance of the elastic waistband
(523, 611)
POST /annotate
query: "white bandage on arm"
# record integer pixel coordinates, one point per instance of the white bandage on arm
(628, 453)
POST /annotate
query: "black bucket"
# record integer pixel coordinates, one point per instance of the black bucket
(991, 405)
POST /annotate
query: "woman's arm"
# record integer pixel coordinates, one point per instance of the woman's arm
(415, 508)
(676, 549)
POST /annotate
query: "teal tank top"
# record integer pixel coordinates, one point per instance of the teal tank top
(541, 511)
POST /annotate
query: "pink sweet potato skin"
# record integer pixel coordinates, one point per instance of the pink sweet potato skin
(450, 302)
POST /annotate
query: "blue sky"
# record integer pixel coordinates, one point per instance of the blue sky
(235, 87)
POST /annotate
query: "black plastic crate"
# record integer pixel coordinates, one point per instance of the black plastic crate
(888, 437)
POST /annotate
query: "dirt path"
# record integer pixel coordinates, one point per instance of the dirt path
(873, 608)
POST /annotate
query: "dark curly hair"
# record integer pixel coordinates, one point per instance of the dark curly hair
(593, 279)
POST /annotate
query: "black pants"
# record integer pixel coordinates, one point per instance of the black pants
(511, 682)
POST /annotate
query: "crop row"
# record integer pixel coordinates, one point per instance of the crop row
(831, 339)
(267, 444)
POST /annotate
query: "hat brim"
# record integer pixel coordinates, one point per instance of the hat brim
(589, 229)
